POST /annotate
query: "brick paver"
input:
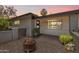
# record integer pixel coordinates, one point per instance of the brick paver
(44, 44)
(48, 44)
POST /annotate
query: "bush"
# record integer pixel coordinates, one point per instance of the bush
(35, 32)
(4, 24)
(65, 39)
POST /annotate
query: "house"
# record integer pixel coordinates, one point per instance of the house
(24, 24)
(53, 24)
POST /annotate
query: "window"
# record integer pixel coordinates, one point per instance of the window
(17, 22)
(54, 24)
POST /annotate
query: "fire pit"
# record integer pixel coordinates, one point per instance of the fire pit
(29, 44)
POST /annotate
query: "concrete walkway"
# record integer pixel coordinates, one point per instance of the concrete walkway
(45, 44)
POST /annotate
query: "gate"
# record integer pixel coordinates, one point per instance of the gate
(73, 23)
(21, 32)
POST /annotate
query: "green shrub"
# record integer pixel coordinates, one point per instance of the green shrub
(65, 39)
(35, 32)
(4, 24)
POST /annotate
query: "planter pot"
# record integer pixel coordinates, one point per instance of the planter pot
(29, 45)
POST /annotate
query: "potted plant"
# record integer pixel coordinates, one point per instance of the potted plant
(70, 47)
(29, 45)
(67, 40)
(35, 32)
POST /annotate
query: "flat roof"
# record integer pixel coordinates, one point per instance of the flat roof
(62, 13)
(34, 16)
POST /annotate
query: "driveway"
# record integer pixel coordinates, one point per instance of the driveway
(44, 43)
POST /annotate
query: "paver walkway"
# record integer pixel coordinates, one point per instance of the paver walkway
(49, 44)
(45, 44)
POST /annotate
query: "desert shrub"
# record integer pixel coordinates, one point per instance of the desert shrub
(65, 39)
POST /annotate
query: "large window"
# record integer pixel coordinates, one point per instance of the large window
(54, 24)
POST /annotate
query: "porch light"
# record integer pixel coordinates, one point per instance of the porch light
(37, 22)
(37, 26)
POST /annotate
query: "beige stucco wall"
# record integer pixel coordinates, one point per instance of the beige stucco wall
(78, 21)
(44, 25)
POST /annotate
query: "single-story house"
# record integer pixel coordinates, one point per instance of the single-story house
(53, 24)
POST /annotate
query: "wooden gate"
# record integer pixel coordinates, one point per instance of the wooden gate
(21, 32)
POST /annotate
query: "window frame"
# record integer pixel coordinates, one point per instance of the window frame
(56, 25)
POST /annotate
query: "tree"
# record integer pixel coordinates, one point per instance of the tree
(43, 12)
(6, 11)
(1, 9)
(9, 11)
(4, 24)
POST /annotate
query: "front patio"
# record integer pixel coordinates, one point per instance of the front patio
(45, 44)
(48, 44)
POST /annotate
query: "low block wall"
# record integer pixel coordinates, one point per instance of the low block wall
(8, 35)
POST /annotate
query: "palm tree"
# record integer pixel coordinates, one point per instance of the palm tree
(43, 12)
